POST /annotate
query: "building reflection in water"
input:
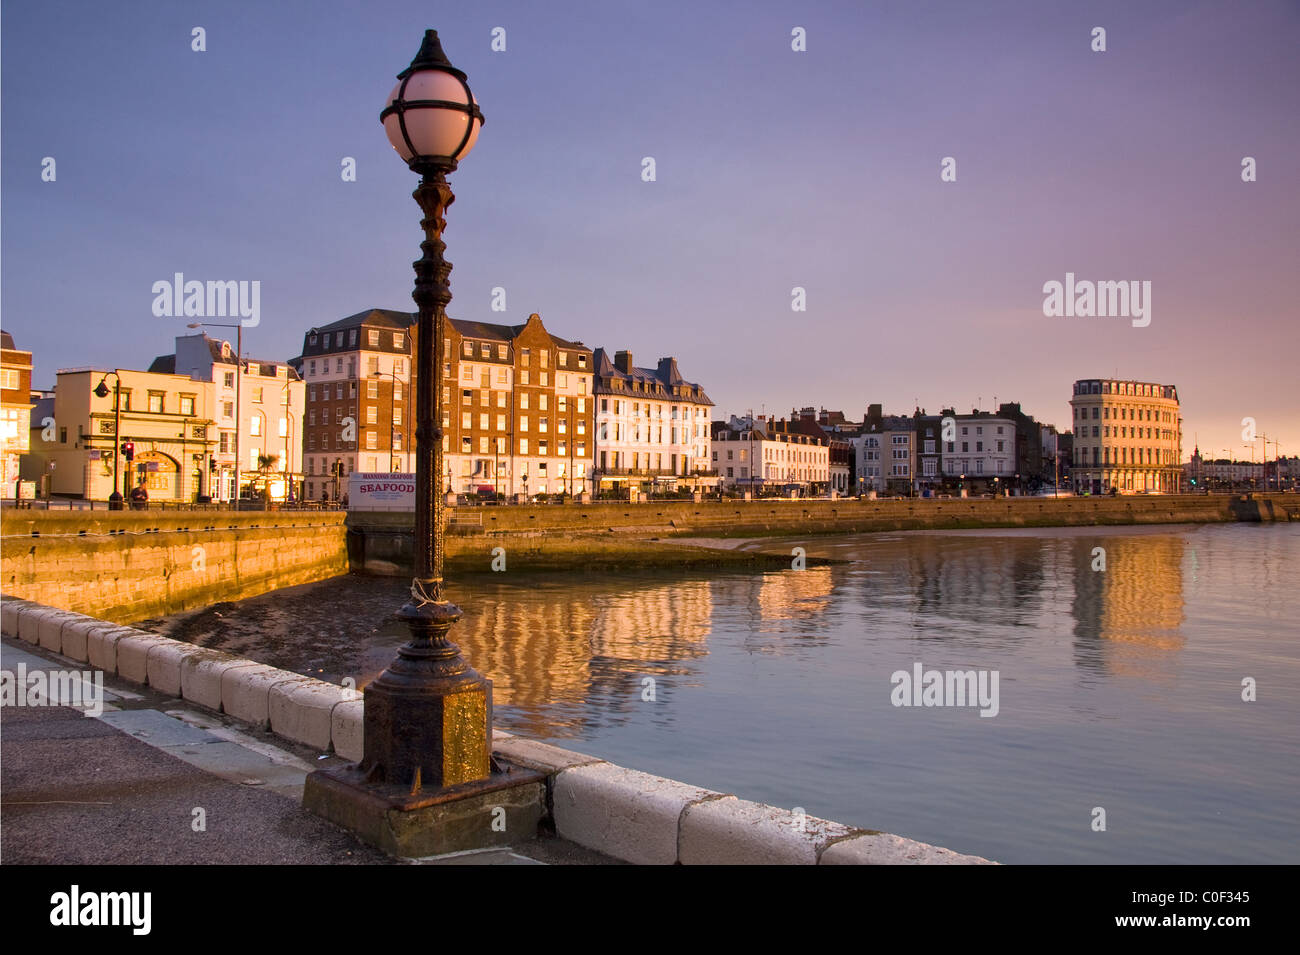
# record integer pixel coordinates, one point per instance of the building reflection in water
(778, 611)
(552, 651)
(957, 587)
(1128, 618)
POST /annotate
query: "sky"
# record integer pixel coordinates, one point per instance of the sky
(775, 169)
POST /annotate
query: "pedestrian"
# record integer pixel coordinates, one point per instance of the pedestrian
(139, 497)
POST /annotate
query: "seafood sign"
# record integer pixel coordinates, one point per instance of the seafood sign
(381, 491)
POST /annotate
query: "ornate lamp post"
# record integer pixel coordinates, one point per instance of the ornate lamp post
(427, 782)
(428, 715)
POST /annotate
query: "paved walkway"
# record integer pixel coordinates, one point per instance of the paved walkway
(152, 780)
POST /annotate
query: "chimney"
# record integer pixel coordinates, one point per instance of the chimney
(623, 361)
(667, 369)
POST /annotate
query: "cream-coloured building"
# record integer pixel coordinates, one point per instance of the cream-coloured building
(652, 426)
(169, 420)
(1127, 436)
(271, 400)
(15, 410)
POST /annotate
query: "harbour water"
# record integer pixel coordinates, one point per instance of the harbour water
(1118, 689)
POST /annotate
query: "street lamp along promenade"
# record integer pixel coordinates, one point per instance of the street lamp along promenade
(427, 735)
(101, 391)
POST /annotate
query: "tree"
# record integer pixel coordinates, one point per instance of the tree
(265, 465)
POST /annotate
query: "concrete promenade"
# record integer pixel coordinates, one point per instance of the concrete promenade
(156, 781)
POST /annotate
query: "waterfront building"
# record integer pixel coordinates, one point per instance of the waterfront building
(982, 457)
(516, 404)
(778, 455)
(652, 426)
(261, 400)
(735, 446)
(841, 455)
(929, 451)
(358, 378)
(799, 456)
(15, 411)
(170, 420)
(518, 409)
(887, 452)
(1127, 436)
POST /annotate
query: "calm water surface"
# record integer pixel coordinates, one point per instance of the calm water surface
(1119, 689)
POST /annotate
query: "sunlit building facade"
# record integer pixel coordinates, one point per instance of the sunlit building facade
(1127, 437)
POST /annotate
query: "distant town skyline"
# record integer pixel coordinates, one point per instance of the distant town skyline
(776, 169)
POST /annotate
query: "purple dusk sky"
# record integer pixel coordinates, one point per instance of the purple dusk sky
(775, 169)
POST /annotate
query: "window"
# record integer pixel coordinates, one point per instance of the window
(467, 373)
(523, 377)
(501, 422)
(156, 402)
(311, 370)
(397, 416)
(255, 425)
(338, 362)
(485, 351)
(228, 409)
(524, 355)
(467, 419)
(284, 427)
(399, 340)
(397, 391)
(399, 366)
(523, 422)
(229, 378)
(523, 399)
(467, 397)
(187, 404)
(371, 414)
(372, 337)
(523, 445)
(483, 422)
(311, 417)
(372, 388)
(372, 441)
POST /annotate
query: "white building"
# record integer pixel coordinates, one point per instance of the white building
(982, 456)
(652, 426)
(271, 398)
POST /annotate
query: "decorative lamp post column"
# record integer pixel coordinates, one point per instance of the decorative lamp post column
(427, 717)
(427, 782)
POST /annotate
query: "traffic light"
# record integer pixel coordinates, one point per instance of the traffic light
(128, 450)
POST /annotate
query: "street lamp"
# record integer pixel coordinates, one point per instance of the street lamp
(427, 739)
(427, 715)
(101, 391)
